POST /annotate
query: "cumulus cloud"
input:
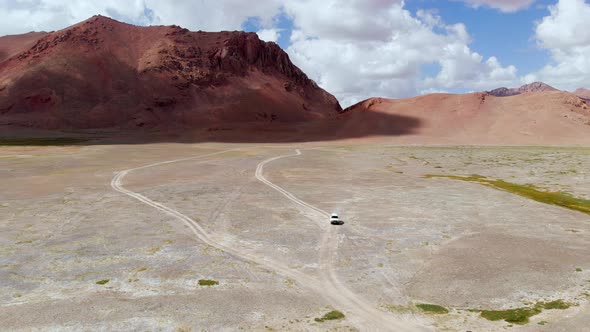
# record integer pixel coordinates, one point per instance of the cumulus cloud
(564, 33)
(19, 16)
(566, 27)
(269, 35)
(212, 15)
(503, 5)
(37, 15)
(468, 70)
(357, 51)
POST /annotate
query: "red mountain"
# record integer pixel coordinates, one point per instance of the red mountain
(13, 45)
(102, 73)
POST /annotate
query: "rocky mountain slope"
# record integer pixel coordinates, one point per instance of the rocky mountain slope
(102, 73)
(15, 44)
(533, 87)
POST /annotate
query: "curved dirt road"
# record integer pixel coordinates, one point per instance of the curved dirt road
(365, 316)
(354, 305)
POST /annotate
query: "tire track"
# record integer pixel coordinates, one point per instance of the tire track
(328, 254)
(367, 318)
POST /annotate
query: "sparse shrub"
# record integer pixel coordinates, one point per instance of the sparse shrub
(332, 315)
(557, 304)
(205, 282)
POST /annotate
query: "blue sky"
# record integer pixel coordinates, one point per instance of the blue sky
(282, 23)
(508, 36)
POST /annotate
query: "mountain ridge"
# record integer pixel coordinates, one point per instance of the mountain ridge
(532, 87)
(102, 73)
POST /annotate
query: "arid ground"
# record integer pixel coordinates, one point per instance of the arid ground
(236, 237)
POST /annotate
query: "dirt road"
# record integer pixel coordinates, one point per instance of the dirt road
(364, 315)
(352, 303)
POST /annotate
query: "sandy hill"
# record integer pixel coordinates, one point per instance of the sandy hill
(102, 73)
(547, 118)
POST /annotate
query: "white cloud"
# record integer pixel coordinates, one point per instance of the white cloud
(357, 51)
(36, 15)
(464, 68)
(503, 5)
(19, 16)
(213, 15)
(345, 20)
(564, 33)
(269, 35)
(431, 90)
(566, 27)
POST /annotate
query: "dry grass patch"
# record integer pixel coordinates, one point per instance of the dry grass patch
(558, 198)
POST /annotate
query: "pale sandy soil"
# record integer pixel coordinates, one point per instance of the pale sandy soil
(407, 239)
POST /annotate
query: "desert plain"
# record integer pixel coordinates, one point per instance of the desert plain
(220, 236)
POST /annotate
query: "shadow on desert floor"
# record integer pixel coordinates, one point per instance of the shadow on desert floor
(345, 126)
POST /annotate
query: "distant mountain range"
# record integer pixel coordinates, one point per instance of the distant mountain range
(535, 87)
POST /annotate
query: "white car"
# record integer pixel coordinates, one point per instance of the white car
(334, 220)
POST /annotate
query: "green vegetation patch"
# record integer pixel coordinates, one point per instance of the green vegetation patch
(521, 315)
(42, 141)
(103, 282)
(516, 316)
(432, 308)
(205, 282)
(557, 304)
(558, 198)
(332, 315)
